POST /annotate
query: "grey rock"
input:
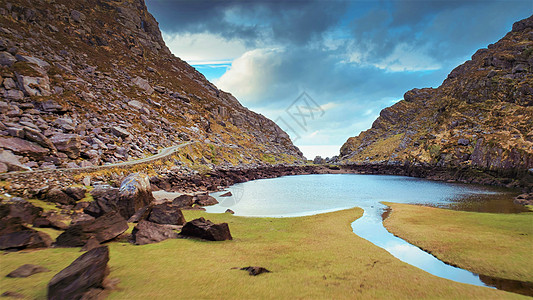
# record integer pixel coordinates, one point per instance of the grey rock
(11, 161)
(37, 137)
(119, 132)
(13, 95)
(9, 84)
(70, 144)
(33, 60)
(147, 233)
(143, 84)
(6, 59)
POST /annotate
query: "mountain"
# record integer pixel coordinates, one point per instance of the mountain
(481, 116)
(92, 82)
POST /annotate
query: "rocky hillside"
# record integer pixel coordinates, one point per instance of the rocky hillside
(91, 82)
(481, 116)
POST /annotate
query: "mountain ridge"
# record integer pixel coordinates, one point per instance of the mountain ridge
(85, 84)
(481, 116)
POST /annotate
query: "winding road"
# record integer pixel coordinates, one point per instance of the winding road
(165, 152)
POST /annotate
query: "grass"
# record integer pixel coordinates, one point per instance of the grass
(498, 245)
(315, 257)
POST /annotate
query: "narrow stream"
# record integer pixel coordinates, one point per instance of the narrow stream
(304, 195)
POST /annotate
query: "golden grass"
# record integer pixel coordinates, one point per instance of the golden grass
(315, 257)
(498, 245)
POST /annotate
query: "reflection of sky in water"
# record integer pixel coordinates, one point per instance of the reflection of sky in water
(293, 196)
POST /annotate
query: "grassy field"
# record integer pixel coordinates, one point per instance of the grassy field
(315, 257)
(497, 245)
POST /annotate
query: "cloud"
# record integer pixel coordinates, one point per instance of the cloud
(250, 75)
(202, 48)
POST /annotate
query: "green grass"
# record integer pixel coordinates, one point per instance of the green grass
(315, 257)
(498, 245)
(46, 206)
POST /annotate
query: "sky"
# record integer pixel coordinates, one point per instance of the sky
(323, 70)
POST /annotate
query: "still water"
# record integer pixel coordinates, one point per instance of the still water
(304, 195)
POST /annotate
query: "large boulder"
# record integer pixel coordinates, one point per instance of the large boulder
(15, 236)
(70, 144)
(207, 230)
(205, 200)
(147, 233)
(82, 276)
(75, 192)
(56, 195)
(104, 228)
(184, 200)
(166, 213)
(50, 220)
(135, 192)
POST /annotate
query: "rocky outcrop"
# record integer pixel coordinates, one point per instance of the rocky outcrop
(207, 230)
(81, 277)
(77, 93)
(480, 117)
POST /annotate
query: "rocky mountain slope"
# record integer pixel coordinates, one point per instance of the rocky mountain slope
(481, 116)
(91, 82)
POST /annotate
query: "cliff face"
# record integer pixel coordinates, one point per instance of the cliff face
(481, 116)
(92, 82)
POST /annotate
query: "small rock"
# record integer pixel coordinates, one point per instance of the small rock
(229, 211)
(254, 271)
(228, 194)
(27, 270)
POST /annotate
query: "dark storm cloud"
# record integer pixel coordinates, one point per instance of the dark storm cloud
(446, 29)
(285, 21)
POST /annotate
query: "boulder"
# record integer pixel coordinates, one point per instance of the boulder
(147, 233)
(227, 194)
(34, 86)
(207, 230)
(85, 273)
(205, 200)
(119, 132)
(26, 271)
(143, 84)
(53, 107)
(70, 144)
(35, 136)
(135, 192)
(6, 59)
(81, 218)
(106, 199)
(15, 236)
(23, 147)
(75, 192)
(55, 195)
(184, 200)
(24, 210)
(166, 213)
(104, 228)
